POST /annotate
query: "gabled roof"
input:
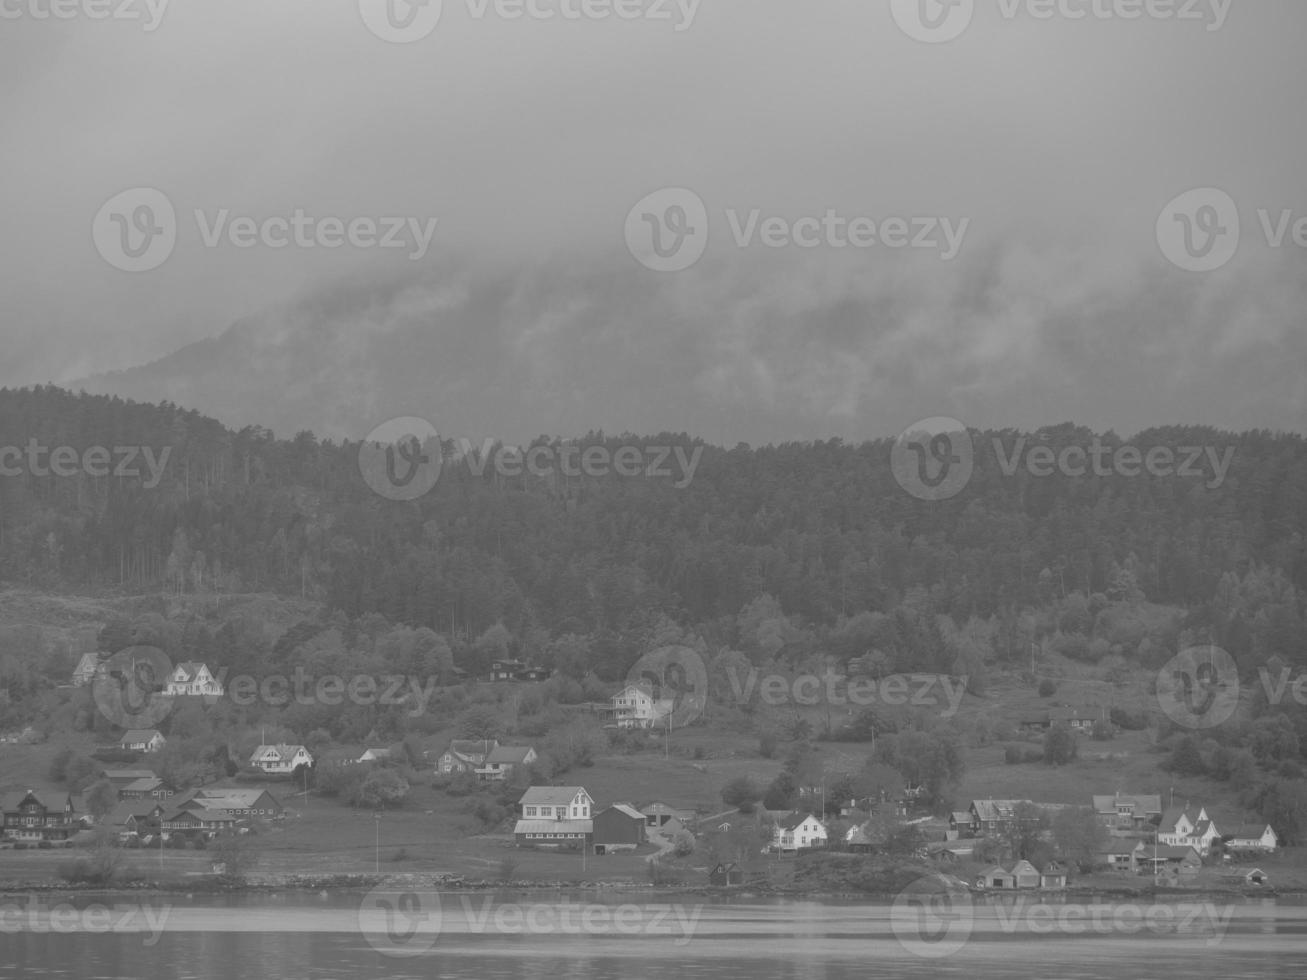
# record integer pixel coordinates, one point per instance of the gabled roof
(996, 809)
(793, 819)
(281, 752)
(128, 774)
(1024, 868)
(1169, 851)
(1253, 830)
(551, 795)
(467, 748)
(626, 809)
(188, 669)
(1173, 814)
(511, 754)
(232, 798)
(143, 785)
(120, 814)
(140, 735)
(88, 664)
(1143, 802)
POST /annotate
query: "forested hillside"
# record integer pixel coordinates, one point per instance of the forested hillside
(773, 551)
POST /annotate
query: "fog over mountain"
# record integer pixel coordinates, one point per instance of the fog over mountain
(1054, 142)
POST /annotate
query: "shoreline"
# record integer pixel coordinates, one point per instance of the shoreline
(343, 884)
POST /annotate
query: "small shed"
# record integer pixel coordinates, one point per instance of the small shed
(726, 873)
(1025, 875)
(995, 877)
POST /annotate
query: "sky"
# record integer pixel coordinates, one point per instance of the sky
(1040, 272)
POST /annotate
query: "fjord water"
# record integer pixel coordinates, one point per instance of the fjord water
(593, 937)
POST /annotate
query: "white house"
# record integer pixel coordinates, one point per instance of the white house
(142, 740)
(634, 707)
(280, 758)
(192, 678)
(1254, 836)
(556, 803)
(798, 830)
(1182, 828)
(554, 815)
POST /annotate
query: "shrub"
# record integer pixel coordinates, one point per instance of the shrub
(1047, 688)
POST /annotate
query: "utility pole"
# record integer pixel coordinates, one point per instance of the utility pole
(377, 816)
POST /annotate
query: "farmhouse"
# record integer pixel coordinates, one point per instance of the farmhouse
(280, 759)
(1252, 836)
(28, 817)
(1182, 827)
(992, 816)
(142, 740)
(504, 670)
(235, 802)
(502, 760)
(1128, 813)
(798, 830)
(465, 755)
(135, 817)
(191, 678)
(1179, 859)
(146, 788)
(87, 669)
(197, 818)
(554, 815)
(1119, 855)
(617, 828)
(634, 707)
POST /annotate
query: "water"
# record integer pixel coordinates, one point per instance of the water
(596, 937)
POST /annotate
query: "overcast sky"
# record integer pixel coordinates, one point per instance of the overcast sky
(1058, 142)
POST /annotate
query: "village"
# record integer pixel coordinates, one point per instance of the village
(994, 845)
